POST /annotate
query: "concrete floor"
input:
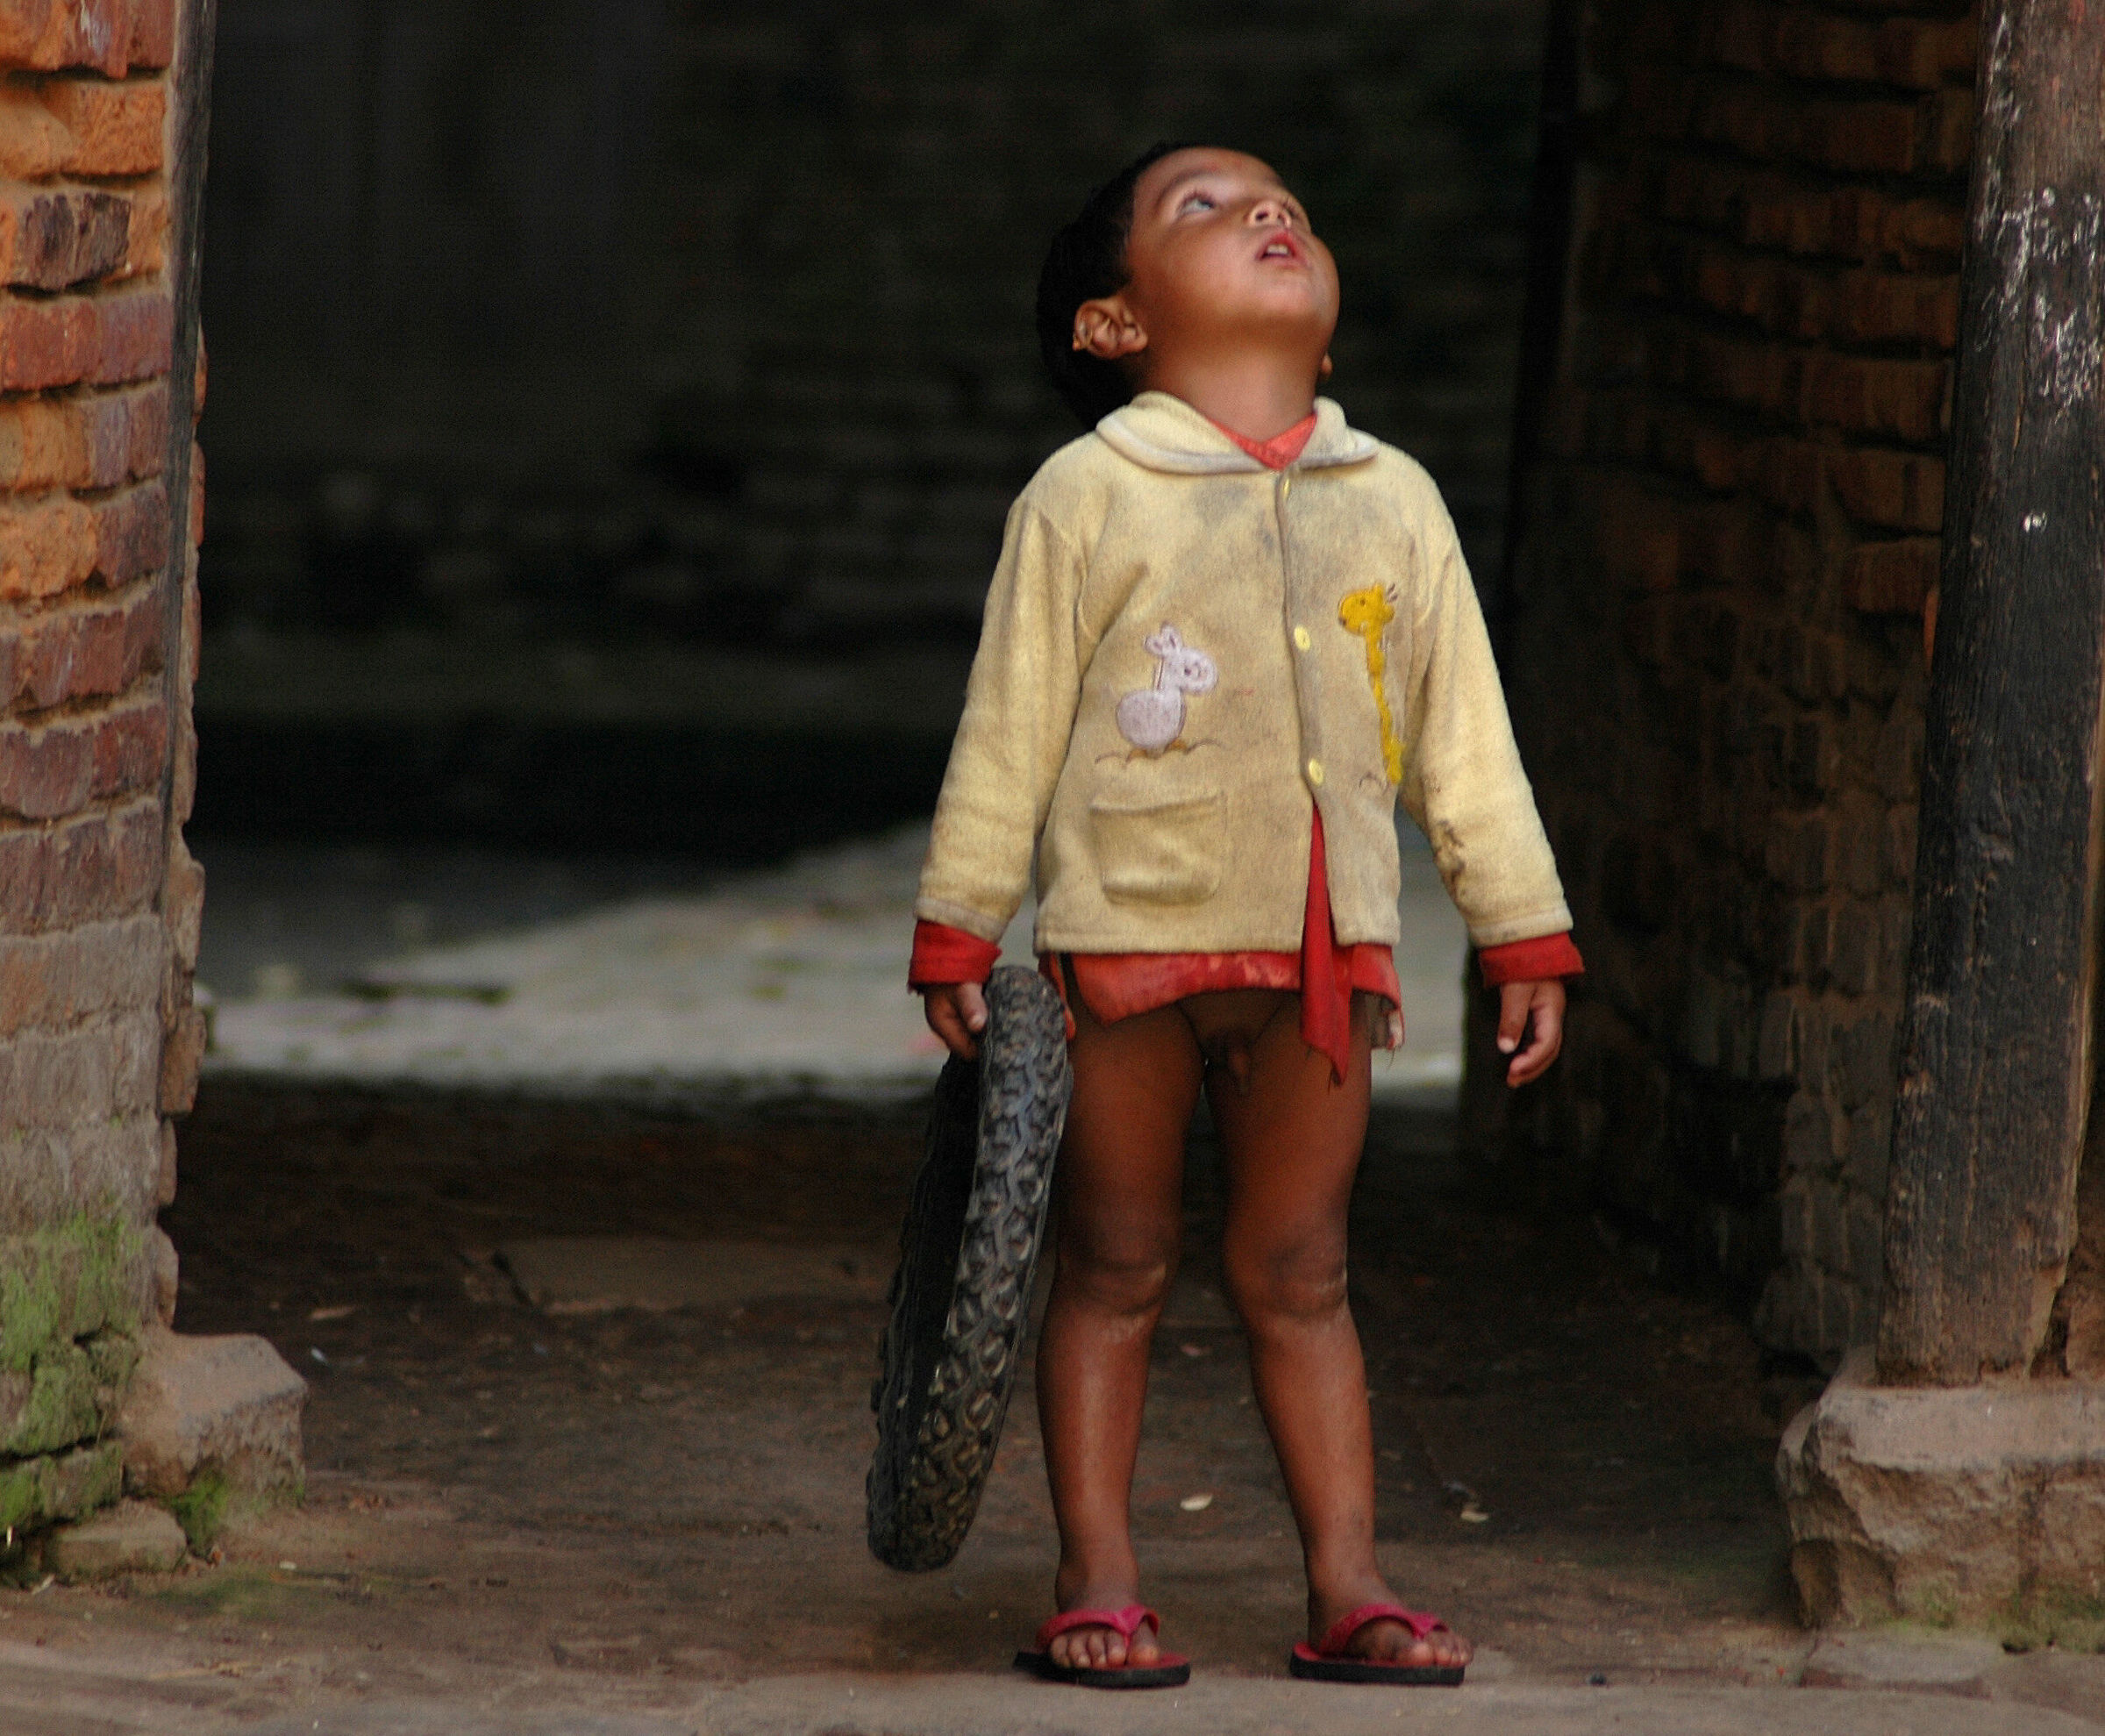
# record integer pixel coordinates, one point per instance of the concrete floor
(643, 980)
(569, 1518)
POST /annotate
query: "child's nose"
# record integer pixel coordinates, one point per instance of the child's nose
(1267, 212)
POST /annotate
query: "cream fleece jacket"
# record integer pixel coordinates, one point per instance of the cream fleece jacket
(1181, 651)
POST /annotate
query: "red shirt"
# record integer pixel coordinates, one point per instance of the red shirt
(1118, 985)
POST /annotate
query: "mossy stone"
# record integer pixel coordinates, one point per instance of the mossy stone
(62, 1408)
(35, 1492)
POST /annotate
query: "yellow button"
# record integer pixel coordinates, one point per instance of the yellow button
(1300, 639)
(1316, 771)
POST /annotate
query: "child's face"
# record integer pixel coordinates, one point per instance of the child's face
(1221, 256)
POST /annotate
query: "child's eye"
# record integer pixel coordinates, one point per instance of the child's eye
(1195, 202)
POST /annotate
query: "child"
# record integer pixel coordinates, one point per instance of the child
(1227, 632)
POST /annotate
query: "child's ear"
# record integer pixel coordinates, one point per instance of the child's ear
(1323, 369)
(1106, 329)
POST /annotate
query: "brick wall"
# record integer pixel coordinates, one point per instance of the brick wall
(99, 901)
(715, 318)
(1718, 667)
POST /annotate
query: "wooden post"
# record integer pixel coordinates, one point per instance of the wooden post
(1995, 1042)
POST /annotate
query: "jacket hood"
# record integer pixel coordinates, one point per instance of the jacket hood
(1161, 432)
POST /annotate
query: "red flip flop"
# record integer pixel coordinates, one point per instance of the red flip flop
(1330, 1662)
(1171, 1672)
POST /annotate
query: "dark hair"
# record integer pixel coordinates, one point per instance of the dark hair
(1086, 260)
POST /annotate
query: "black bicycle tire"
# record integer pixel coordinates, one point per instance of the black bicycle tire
(960, 1298)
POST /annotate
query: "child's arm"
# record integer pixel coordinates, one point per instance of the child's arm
(1011, 742)
(1463, 781)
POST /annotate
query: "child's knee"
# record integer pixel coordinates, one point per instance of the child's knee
(1130, 1277)
(1287, 1279)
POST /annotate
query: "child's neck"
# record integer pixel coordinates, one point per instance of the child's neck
(1254, 396)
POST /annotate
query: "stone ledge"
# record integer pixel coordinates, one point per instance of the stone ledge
(230, 1405)
(1977, 1505)
(131, 1537)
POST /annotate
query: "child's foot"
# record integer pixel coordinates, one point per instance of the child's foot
(1388, 1642)
(1094, 1648)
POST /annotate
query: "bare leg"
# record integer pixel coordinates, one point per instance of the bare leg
(1293, 1140)
(1119, 1199)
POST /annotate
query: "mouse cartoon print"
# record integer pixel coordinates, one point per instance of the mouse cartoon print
(1152, 718)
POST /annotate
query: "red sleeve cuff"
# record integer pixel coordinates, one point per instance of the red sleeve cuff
(945, 955)
(1535, 960)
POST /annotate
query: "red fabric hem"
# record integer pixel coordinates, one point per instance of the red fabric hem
(1535, 960)
(944, 955)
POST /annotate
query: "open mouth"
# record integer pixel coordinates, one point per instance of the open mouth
(1282, 246)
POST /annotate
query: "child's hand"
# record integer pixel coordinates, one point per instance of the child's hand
(957, 1013)
(1517, 1003)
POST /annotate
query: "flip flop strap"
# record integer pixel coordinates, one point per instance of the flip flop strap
(1346, 1625)
(1127, 1621)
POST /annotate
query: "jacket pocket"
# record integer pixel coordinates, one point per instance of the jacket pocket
(1170, 853)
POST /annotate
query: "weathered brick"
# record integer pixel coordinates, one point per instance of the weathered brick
(1862, 137)
(101, 865)
(45, 548)
(1883, 307)
(57, 980)
(59, 542)
(1893, 491)
(132, 534)
(1807, 1136)
(115, 129)
(1869, 1145)
(1795, 1218)
(1892, 578)
(183, 903)
(1867, 1246)
(164, 1192)
(1638, 537)
(136, 336)
(1830, 1208)
(1863, 1061)
(1902, 399)
(182, 790)
(1854, 965)
(51, 237)
(47, 343)
(110, 37)
(1901, 842)
(83, 440)
(1776, 1054)
(74, 654)
(48, 1173)
(69, 340)
(50, 770)
(107, 1069)
(1800, 851)
(182, 1052)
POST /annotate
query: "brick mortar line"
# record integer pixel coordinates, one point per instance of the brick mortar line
(85, 707)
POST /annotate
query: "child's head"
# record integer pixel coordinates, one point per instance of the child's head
(1187, 249)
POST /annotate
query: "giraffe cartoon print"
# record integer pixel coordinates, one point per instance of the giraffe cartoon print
(1152, 718)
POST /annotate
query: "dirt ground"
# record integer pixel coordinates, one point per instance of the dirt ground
(1576, 1464)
